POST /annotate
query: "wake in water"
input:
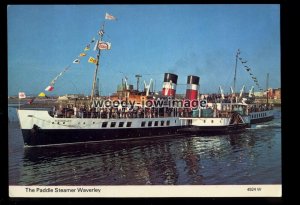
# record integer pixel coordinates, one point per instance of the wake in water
(265, 126)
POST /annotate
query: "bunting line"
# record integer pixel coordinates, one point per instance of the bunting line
(248, 69)
(102, 45)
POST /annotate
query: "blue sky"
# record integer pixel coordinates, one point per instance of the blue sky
(146, 39)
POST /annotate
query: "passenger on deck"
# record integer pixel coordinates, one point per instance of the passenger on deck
(75, 111)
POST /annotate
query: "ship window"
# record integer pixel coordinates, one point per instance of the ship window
(112, 124)
(63, 122)
(52, 122)
(58, 123)
(204, 121)
(121, 124)
(104, 124)
(84, 123)
(168, 122)
(93, 122)
(162, 123)
(156, 123)
(143, 124)
(212, 121)
(149, 123)
(175, 121)
(128, 124)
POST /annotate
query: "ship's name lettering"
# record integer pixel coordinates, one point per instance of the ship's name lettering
(62, 190)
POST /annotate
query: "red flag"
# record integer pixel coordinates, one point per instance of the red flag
(49, 88)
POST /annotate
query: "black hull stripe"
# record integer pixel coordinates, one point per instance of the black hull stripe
(61, 136)
(67, 136)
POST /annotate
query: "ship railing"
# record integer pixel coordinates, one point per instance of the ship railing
(70, 113)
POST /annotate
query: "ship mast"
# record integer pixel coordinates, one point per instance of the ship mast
(267, 88)
(234, 79)
(101, 33)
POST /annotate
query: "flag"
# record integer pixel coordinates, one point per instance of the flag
(104, 45)
(87, 47)
(30, 101)
(101, 32)
(22, 95)
(75, 61)
(49, 88)
(92, 60)
(110, 17)
(82, 54)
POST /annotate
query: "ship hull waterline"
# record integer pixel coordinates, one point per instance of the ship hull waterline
(33, 137)
(215, 130)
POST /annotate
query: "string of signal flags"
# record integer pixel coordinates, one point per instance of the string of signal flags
(248, 69)
(99, 45)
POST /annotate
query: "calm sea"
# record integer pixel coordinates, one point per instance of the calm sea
(253, 157)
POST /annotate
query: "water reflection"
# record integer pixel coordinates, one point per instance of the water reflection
(179, 160)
